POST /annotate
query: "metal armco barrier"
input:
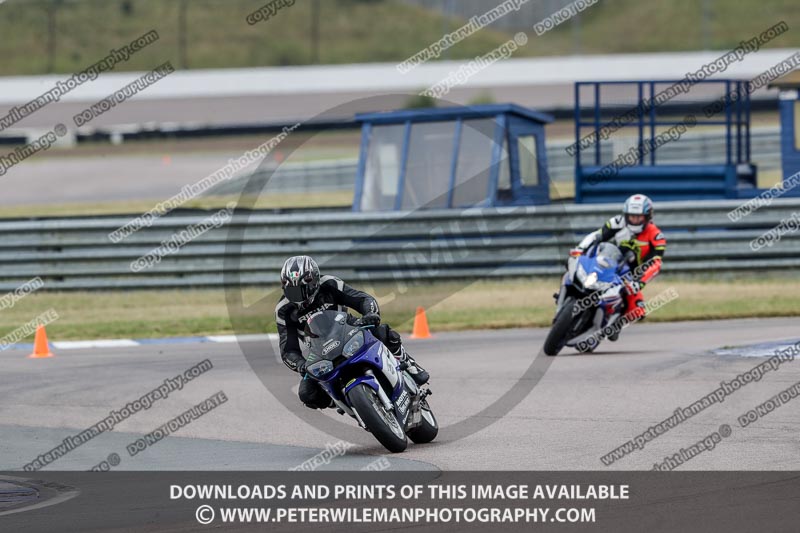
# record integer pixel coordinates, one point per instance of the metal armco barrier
(72, 254)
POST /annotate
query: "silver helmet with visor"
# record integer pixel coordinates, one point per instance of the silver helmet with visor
(300, 279)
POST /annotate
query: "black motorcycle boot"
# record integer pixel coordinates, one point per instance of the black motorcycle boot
(418, 374)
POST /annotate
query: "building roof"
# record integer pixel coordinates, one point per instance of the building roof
(451, 113)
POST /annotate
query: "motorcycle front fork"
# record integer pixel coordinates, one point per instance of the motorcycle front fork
(561, 295)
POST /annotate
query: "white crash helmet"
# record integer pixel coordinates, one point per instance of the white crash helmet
(638, 204)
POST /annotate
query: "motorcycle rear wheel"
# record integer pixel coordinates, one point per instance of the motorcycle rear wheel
(428, 428)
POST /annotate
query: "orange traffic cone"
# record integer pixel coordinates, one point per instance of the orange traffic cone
(40, 347)
(420, 330)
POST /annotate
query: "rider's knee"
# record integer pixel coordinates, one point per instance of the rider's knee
(389, 337)
(393, 340)
(637, 311)
(381, 332)
(312, 395)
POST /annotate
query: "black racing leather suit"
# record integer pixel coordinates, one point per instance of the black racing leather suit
(291, 318)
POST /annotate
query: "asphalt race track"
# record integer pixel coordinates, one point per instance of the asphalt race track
(583, 407)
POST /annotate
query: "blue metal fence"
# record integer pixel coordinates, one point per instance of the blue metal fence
(649, 114)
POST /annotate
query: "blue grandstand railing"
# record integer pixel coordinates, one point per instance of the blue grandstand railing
(646, 117)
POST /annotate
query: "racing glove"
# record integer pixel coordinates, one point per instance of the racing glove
(634, 287)
(630, 257)
(370, 319)
(294, 361)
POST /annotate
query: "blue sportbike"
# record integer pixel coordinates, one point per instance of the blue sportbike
(366, 382)
(590, 302)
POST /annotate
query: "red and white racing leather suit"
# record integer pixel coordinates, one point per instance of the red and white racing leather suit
(648, 248)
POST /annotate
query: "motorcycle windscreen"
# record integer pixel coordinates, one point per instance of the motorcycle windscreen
(325, 332)
(608, 256)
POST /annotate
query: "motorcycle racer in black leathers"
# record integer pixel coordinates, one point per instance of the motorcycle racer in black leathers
(306, 292)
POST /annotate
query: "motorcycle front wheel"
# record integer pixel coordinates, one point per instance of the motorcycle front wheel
(379, 421)
(557, 337)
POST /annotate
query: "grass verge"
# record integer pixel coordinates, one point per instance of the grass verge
(59, 36)
(450, 306)
(286, 200)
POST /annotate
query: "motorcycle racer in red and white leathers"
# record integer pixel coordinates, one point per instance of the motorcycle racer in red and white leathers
(638, 237)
